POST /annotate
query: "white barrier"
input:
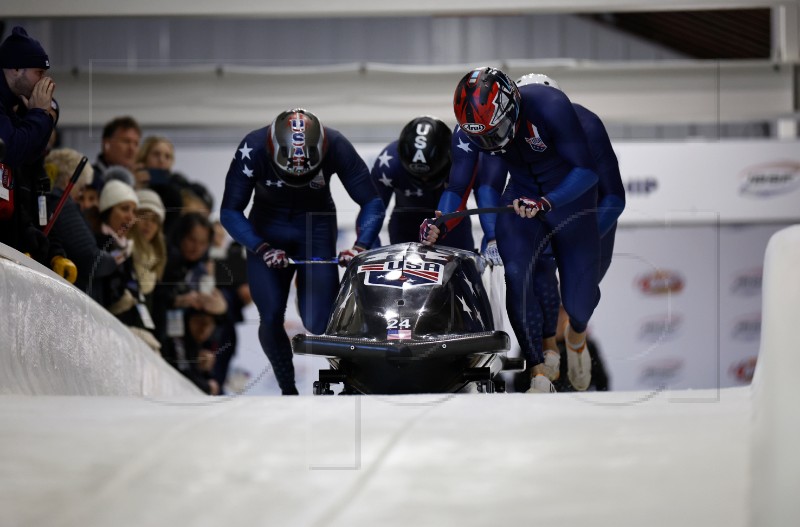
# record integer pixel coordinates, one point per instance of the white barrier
(776, 393)
(55, 340)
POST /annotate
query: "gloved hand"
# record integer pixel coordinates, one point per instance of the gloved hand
(65, 268)
(492, 254)
(349, 254)
(529, 207)
(273, 258)
(430, 233)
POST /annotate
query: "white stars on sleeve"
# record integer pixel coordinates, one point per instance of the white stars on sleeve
(245, 151)
(384, 158)
(247, 171)
(463, 145)
(385, 180)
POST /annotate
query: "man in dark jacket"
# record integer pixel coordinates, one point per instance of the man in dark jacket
(26, 122)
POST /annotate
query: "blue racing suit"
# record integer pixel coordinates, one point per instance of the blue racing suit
(412, 203)
(300, 221)
(549, 157)
(610, 204)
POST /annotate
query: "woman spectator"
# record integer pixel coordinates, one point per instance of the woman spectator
(155, 161)
(121, 293)
(70, 228)
(156, 152)
(149, 247)
(187, 283)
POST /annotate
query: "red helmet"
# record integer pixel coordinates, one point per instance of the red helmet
(487, 106)
(297, 146)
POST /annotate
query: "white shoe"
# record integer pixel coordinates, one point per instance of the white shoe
(552, 364)
(541, 384)
(579, 364)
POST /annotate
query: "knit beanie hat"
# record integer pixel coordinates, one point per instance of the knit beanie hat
(20, 51)
(150, 200)
(115, 192)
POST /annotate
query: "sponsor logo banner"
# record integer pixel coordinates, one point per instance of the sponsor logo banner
(747, 282)
(747, 328)
(660, 328)
(771, 179)
(660, 282)
(743, 370)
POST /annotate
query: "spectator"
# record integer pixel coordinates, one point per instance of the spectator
(187, 283)
(154, 163)
(120, 144)
(149, 247)
(121, 293)
(89, 197)
(197, 198)
(26, 123)
(157, 153)
(194, 351)
(70, 227)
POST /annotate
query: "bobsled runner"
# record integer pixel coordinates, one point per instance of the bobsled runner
(411, 318)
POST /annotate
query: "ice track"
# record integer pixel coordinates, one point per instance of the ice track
(103, 433)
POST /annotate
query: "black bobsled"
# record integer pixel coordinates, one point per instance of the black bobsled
(411, 319)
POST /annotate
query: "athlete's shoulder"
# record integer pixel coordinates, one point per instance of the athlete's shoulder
(590, 121)
(461, 144)
(335, 137)
(388, 158)
(544, 99)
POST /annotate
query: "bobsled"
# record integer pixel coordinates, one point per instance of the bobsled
(411, 318)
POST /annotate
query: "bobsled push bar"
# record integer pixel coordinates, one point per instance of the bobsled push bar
(471, 212)
(439, 221)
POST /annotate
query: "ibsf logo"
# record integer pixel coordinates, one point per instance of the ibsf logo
(747, 283)
(769, 180)
(473, 128)
(660, 282)
(743, 370)
(747, 328)
(660, 328)
(645, 186)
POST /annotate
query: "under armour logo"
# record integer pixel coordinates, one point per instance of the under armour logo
(269, 183)
(417, 192)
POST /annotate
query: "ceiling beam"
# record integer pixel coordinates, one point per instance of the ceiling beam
(370, 94)
(353, 8)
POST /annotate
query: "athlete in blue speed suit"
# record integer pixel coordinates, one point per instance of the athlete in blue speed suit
(289, 165)
(538, 135)
(414, 170)
(610, 204)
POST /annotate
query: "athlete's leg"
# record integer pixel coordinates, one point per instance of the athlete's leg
(270, 291)
(607, 250)
(576, 245)
(546, 291)
(517, 241)
(318, 285)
